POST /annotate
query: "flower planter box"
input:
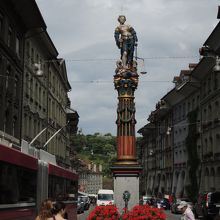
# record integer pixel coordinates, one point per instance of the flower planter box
(138, 212)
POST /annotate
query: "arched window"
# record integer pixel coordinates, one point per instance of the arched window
(217, 179)
(28, 49)
(206, 146)
(15, 92)
(7, 78)
(14, 121)
(206, 187)
(211, 144)
(217, 143)
(5, 121)
(212, 179)
(32, 55)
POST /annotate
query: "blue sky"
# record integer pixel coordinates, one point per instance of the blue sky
(170, 33)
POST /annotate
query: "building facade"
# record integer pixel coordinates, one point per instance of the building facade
(209, 77)
(90, 178)
(34, 85)
(45, 96)
(148, 158)
(13, 28)
(186, 130)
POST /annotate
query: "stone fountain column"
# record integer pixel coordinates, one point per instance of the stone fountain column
(126, 169)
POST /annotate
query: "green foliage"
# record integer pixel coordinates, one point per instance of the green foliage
(193, 159)
(79, 142)
(98, 148)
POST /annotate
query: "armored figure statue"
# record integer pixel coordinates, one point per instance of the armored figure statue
(126, 40)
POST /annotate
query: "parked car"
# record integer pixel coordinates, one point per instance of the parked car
(80, 206)
(164, 203)
(207, 205)
(175, 204)
(86, 201)
(147, 200)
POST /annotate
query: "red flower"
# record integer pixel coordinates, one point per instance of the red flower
(108, 212)
(139, 212)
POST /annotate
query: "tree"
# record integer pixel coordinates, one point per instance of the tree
(98, 148)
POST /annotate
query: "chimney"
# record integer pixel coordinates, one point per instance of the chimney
(100, 167)
(89, 166)
(94, 168)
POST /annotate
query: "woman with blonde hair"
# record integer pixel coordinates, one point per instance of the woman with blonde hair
(45, 210)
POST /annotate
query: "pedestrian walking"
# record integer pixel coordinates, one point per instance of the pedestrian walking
(45, 212)
(59, 211)
(187, 213)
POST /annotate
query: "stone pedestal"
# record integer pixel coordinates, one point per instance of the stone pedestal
(126, 178)
(131, 184)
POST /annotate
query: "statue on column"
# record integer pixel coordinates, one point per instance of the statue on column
(126, 40)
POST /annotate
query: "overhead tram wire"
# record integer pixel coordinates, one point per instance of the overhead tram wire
(109, 81)
(113, 59)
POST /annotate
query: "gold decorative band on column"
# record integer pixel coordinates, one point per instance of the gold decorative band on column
(125, 157)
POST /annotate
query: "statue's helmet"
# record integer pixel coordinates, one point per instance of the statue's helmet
(121, 16)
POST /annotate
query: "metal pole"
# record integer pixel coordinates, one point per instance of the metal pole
(54, 135)
(37, 136)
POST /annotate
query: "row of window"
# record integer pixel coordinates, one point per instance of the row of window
(180, 111)
(10, 123)
(56, 112)
(10, 83)
(180, 156)
(10, 35)
(18, 184)
(179, 144)
(60, 188)
(36, 93)
(10, 79)
(211, 178)
(57, 145)
(211, 111)
(210, 84)
(32, 127)
(211, 144)
(55, 86)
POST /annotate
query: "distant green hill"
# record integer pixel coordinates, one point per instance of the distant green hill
(98, 148)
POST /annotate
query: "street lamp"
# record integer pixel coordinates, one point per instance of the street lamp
(216, 68)
(38, 70)
(169, 129)
(206, 51)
